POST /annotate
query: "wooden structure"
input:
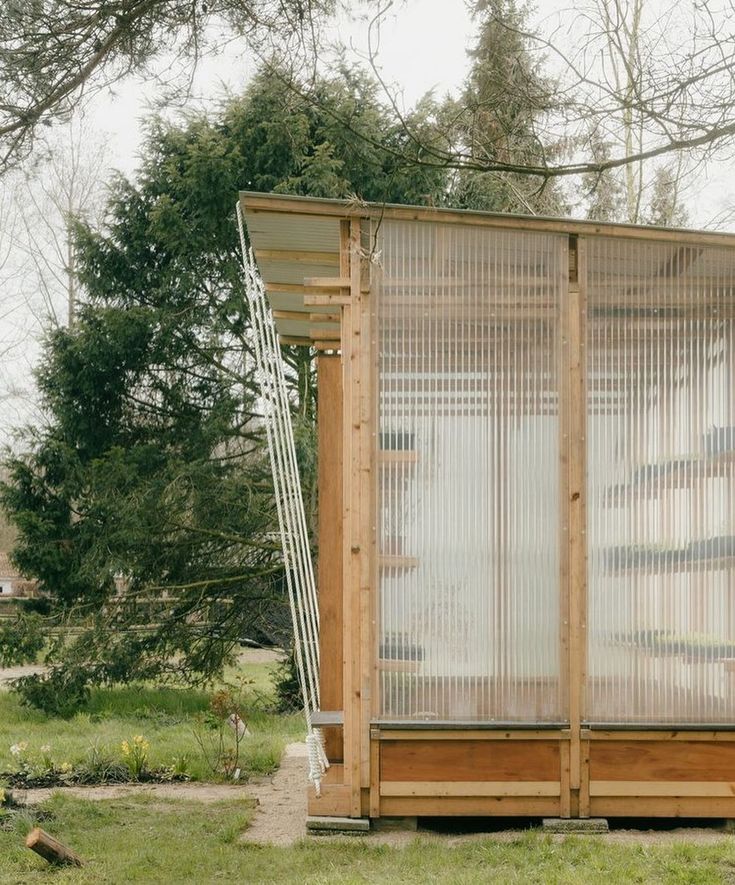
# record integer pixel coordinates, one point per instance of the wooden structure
(526, 491)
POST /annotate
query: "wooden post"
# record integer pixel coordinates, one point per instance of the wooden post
(358, 532)
(573, 493)
(329, 421)
(565, 613)
(349, 609)
(51, 849)
(577, 521)
(367, 472)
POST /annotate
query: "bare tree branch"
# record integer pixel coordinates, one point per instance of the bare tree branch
(51, 52)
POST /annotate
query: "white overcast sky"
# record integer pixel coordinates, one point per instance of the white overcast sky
(422, 47)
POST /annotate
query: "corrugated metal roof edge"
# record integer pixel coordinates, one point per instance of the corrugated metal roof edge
(254, 201)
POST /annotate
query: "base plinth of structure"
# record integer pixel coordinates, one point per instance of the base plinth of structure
(584, 826)
(354, 826)
(396, 824)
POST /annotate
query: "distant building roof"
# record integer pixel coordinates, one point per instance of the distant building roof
(7, 569)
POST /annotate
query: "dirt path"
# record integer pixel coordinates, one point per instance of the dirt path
(7, 674)
(246, 656)
(205, 793)
(280, 818)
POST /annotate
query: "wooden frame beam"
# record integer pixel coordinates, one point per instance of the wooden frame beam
(254, 202)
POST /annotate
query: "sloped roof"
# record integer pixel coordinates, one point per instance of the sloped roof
(296, 241)
(7, 569)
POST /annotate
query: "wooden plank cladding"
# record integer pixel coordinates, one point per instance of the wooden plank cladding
(437, 760)
(476, 806)
(470, 788)
(666, 761)
(662, 788)
(661, 806)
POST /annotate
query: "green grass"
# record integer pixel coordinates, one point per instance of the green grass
(146, 840)
(165, 716)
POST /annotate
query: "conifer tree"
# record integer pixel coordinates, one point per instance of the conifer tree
(501, 114)
(144, 506)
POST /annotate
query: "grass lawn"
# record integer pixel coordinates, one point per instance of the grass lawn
(147, 840)
(166, 717)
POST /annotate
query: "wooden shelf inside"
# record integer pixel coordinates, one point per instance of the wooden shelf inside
(397, 561)
(650, 480)
(675, 562)
(395, 665)
(397, 456)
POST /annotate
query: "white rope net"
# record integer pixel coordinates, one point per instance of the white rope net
(289, 503)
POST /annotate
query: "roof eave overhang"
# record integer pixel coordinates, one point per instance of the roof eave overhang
(296, 241)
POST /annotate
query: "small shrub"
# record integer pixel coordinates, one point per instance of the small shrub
(286, 684)
(179, 767)
(21, 640)
(59, 692)
(99, 768)
(135, 753)
(221, 730)
(39, 605)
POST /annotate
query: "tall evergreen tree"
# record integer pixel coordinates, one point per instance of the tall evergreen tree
(500, 115)
(150, 473)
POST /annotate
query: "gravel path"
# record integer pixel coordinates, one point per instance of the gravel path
(246, 656)
(280, 818)
(196, 792)
(7, 674)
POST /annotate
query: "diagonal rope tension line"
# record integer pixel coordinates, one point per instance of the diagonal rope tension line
(297, 559)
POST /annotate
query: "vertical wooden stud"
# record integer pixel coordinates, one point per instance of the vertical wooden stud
(577, 512)
(584, 785)
(565, 613)
(329, 431)
(374, 776)
(565, 800)
(581, 551)
(573, 486)
(350, 546)
(358, 522)
(360, 235)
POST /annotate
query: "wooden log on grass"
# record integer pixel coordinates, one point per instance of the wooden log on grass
(51, 849)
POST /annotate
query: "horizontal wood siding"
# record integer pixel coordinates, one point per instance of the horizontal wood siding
(437, 760)
(481, 806)
(668, 806)
(661, 761)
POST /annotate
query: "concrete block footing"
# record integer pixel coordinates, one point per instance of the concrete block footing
(323, 826)
(395, 824)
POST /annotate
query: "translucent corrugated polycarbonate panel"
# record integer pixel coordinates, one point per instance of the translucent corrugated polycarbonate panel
(468, 620)
(661, 459)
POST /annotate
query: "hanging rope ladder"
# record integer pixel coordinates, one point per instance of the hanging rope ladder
(297, 559)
